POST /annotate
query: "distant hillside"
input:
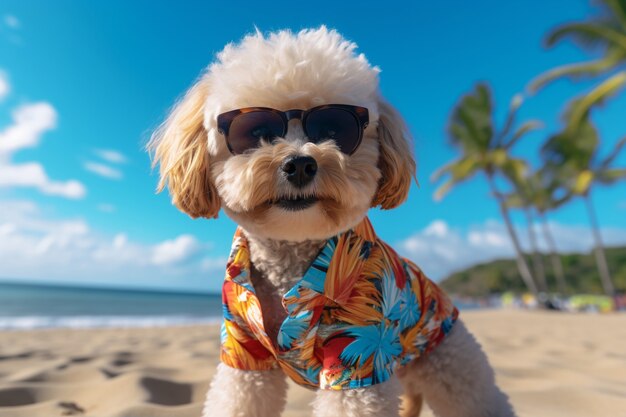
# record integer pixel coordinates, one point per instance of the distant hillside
(581, 275)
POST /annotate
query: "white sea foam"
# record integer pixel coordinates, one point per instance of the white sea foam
(87, 322)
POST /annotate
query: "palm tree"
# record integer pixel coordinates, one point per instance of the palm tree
(604, 34)
(485, 150)
(537, 191)
(555, 258)
(522, 198)
(572, 159)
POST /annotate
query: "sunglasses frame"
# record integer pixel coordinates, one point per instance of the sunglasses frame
(360, 114)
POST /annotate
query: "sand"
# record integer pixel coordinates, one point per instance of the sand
(550, 364)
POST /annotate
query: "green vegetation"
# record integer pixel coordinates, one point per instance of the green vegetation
(501, 275)
(570, 166)
(485, 150)
(604, 38)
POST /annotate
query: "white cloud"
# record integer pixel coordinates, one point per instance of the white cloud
(111, 156)
(119, 241)
(35, 247)
(32, 174)
(213, 264)
(103, 170)
(11, 21)
(175, 251)
(5, 87)
(441, 250)
(30, 122)
(487, 238)
(438, 228)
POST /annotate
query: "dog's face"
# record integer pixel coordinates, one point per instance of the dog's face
(256, 188)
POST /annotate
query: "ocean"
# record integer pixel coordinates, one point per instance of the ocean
(38, 306)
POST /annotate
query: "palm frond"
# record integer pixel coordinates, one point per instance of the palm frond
(525, 128)
(614, 153)
(515, 200)
(578, 70)
(618, 9)
(515, 169)
(610, 176)
(582, 182)
(570, 150)
(497, 158)
(579, 109)
(514, 106)
(470, 124)
(588, 35)
(444, 189)
(466, 168)
(459, 171)
(559, 201)
(436, 176)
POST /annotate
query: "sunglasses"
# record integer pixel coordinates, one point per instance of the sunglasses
(245, 128)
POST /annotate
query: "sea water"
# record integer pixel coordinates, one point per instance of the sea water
(41, 306)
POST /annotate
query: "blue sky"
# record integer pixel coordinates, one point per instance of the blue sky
(85, 83)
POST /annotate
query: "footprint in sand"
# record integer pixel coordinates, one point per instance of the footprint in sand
(164, 392)
(14, 397)
(71, 408)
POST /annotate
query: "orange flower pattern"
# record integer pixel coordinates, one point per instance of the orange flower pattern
(359, 312)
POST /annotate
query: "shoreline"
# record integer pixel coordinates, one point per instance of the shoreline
(28, 323)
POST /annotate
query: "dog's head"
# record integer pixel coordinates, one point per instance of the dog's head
(279, 174)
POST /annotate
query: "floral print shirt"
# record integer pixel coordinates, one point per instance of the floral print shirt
(358, 313)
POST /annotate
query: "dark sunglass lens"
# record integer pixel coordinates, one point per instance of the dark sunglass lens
(334, 124)
(248, 129)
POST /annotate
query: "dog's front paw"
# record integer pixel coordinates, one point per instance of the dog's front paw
(237, 393)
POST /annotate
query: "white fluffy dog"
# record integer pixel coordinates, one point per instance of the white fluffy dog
(290, 136)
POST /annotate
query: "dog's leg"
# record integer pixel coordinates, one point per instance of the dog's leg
(381, 400)
(411, 404)
(237, 393)
(456, 379)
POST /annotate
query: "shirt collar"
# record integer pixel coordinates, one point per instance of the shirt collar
(313, 283)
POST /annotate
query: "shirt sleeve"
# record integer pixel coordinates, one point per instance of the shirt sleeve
(240, 348)
(242, 351)
(437, 314)
(408, 316)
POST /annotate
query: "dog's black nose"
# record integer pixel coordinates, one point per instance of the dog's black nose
(299, 170)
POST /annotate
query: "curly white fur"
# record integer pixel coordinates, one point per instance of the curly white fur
(456, 379)
(280, 70)
(382, 400)
(236, 393)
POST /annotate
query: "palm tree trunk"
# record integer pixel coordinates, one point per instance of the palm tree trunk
(557, 264)
(538, 268)
(603, 267)
(522, 266)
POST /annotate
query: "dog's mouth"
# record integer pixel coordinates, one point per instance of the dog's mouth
(295, 203)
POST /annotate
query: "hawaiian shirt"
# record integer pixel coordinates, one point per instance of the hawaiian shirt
(359, 312)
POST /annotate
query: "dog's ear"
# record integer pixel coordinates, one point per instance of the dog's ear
(179, 147)
(396, 162)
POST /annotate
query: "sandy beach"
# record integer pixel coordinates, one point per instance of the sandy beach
(550, 364)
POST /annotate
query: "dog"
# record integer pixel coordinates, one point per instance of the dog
(289, 135)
